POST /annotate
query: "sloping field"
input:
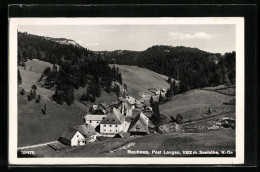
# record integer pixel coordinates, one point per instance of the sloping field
(191, 100)
(30, 78)
(216, 140)
(35, 128)
(140, 79)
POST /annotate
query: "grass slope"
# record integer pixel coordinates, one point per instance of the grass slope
(216, 140)
(35, 128)
(191, 100)
(140, 79)
(30, 78)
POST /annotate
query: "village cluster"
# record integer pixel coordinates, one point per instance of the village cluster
(128, 117)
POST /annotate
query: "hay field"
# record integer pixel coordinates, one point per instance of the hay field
(141, 79)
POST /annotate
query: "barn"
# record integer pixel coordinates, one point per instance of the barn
(72, 137)
(94, 120)
(88, 131)
(139, 125)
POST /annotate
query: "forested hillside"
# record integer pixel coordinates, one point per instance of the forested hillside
(194, 68)
(78, 67)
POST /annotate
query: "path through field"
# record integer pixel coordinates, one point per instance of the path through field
(37, 145)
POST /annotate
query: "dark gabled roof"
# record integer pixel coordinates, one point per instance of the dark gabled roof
(69, 133)
(104, 105)
(115, 117)
(122, 134)
(140, 120)
(86, 129)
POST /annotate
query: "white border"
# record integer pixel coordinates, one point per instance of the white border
(15, 22)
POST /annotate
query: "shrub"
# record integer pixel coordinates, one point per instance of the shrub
(38, 99)
(179, 119)
(22, 92)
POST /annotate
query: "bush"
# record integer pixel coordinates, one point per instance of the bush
(22, 92)
(38, 99)
(92, 99)
(179, 119)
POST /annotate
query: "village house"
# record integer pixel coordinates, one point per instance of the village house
(78, 135)
(94, 120)
(100, 109)
(114, 123)
(88, 131)
(72, 137)
(139, 125)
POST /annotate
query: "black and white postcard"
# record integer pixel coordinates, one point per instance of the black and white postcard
(95, 91)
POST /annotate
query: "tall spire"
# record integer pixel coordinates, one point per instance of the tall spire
(124, 96)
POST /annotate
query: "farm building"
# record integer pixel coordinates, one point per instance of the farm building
(100, 109)
(72, 137)
(85, 129)
(113, 123)
(88, 131)
(94, 120)
(139, 125)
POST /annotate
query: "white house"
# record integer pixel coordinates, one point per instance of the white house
(113, 123)
(94, 120)
(72, 137)
(88, 131)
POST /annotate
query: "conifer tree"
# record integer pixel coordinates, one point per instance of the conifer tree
(19, 78)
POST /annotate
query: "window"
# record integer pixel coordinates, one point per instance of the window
(138, 127)
(110, 125)
(113, 119)
(90, 121)
(116, 125)
(104, 130)
(104, 125)
(110, 130)
(97, 121)
(77, 135)
(116, 130)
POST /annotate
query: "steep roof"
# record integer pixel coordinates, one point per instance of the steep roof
(69, 133)
(122, 134)
(104, 105)
(139, 124)
(115, 117)
(86, 129)
(89, 117)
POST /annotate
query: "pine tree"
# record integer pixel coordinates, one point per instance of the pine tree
(97, 89)
(151, 101)
(120, 78)
(160, 97)
(19, 78)
(87, 97)
(83, 97)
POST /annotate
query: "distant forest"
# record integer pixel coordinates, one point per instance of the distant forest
(78, 67)
(192, 67)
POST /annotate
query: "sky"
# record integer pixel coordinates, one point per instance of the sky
(211, 38)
